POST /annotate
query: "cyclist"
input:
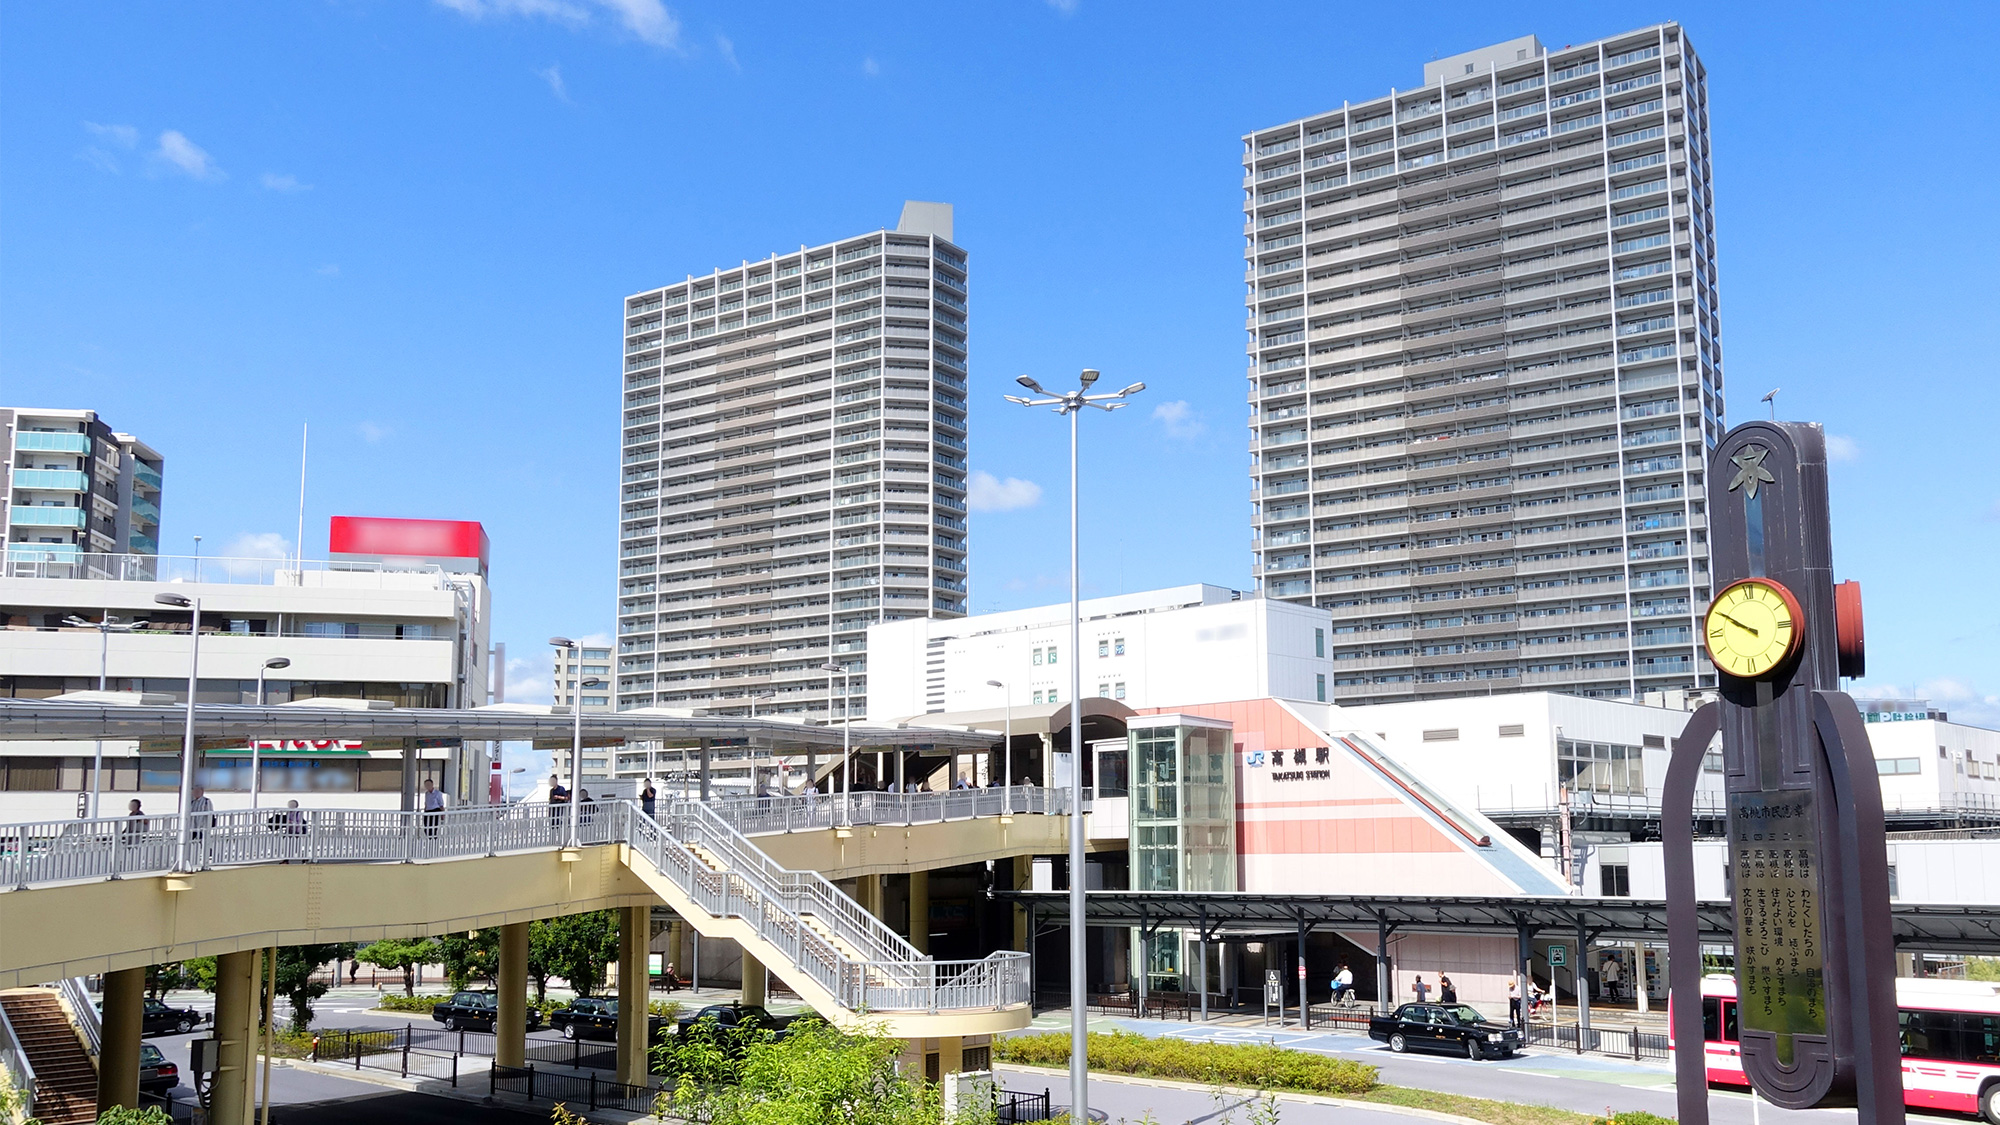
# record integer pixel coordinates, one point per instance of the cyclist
(1343, 985)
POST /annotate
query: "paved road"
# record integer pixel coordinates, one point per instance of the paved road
(1586, 1084)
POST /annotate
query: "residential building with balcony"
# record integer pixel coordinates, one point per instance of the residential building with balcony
(793, 470)
(1485, 371)
(75, 488)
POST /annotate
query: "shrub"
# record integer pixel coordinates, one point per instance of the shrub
(410, 1003)
(671, 1009)
(1635, 1117)
(1253, 1065)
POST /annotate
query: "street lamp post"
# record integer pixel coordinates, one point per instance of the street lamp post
(1072, 404)
(846, 742)
(256, 744)
(576, 728)
(187, 739)
(104, 629)
(1007, 746)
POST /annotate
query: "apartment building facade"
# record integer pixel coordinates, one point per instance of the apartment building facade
(1485, 371)
(572, 668)
(793, 470)
(78, 492)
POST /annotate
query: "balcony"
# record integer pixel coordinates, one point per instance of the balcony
(31, 440)
(147, 477)
(60, 480)
(42, 516)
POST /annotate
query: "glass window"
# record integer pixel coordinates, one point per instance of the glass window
(1112, 767)
(1118, 647)
(1104, 691)
(1052, 654)
(1118, 690)
(1980, 1038)
(1319, 646)
(1103, 648)
(1036, 658)
(1320, 687)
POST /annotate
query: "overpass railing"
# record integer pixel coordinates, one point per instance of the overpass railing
(824, 933)
(754, 816)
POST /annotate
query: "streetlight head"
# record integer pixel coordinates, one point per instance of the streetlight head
(562, 642)
(1028, 381)
(995, 683)
(1133, 389)
(278, 662)
(592, 682)
(1088, 377)
(1772, 395)
(1017, 400)
(181, 600)
(76, 622)
(831, 667)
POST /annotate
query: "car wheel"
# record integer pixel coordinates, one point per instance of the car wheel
(1472, 1050)
(1989, 1103)
(569, 1032)
(186, 1025)
(450, 1023)
(1398, 1044)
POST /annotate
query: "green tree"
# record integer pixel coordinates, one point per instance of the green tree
(193, 973)
(1982, 968)
(814, 1074)
(470, 957)
(296, 964)
(405, 954)
(578, 948)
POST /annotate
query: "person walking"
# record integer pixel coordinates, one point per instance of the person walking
(584, 808)
(433, 808)
(1514, 999)
(1609, 976)
(135, 823)
(1422, 990)
(1447, 991)
(201, 818)
(558, 806)
(648, 800)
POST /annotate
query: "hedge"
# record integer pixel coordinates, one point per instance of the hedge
(1254, 1065)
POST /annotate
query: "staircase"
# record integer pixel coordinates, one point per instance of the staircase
(840, 958)
(65, 1074)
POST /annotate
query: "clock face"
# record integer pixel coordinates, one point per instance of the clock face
(1753, 626)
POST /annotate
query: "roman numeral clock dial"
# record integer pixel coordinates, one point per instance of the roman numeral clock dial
(1753, 626)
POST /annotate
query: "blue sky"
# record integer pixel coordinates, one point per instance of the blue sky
(411, 223)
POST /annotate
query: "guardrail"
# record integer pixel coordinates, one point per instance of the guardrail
(754, 816)
(88, 1020)
(825, 934)
(14, 1060)
(588, 1091)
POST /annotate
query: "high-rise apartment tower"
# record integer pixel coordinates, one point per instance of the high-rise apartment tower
(794, 470)
(81, 498)
(1485, 371)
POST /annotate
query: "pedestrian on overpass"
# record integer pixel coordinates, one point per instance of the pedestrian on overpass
(558, 805)
(433, 808)
(648, 800)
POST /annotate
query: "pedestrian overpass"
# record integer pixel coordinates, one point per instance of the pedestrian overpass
(114, 895)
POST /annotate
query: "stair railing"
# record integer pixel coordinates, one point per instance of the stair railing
(14, 1060)
(88, 1019)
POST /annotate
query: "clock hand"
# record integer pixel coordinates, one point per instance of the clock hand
(1753, 632)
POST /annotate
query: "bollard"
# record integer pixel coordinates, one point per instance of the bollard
(1635, 1043)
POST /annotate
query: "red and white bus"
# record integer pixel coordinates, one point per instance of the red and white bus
(1950, 1033)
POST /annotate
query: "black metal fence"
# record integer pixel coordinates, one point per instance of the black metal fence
(390, 1049)
(1341, 1017)
(587, 1091)
(1012, 1108)
(1618, 1042)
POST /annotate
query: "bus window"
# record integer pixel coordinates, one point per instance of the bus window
(1729, 1022)
(1930, 1035)
(1981, 1039)
(1718, 1020)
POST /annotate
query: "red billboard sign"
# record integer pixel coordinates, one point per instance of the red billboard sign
(382, 537)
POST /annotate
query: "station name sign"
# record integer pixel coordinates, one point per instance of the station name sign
(1271, 763)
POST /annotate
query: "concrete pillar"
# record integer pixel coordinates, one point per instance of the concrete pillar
(753, 980)
(124, 1020)
(674, 949)
(951, 1054)
(1639, 989)
(634, 936)
(233, 1100)
(1024, 877)
(920, 910)
(868, 893)
(510, 1023)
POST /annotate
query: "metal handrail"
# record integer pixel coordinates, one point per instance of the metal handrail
(827, 935)
(14, 1059)
(87, 1017)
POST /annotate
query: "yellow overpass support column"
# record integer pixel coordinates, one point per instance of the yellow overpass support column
(1024, 877)
(920, 910)
(233, 1098)
(510, 1023)
(124, 1019)
(753, 980)
(635, 931)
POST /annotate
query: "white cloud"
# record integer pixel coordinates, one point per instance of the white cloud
(372, 432)
(124, 136)
(283, 181)
(186, 157)
(1066, 7)
(99, 159)
(531, 679)
(870, 67)
(328, 270)
(1178, 419)
(988, 493)
(1840, 447)
(244, 555)
(552, 74)
(728, 50)
(648, 20)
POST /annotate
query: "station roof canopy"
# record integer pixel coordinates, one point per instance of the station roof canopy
(1107, 715)
(48, 719)
(1919, 926)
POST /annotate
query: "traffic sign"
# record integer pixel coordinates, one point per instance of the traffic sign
(1558, 955)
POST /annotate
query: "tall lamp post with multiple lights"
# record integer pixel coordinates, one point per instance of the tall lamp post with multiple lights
(182, 601)
(104, 629)
(1007, 746)
(576, 731)
(1072, 404)
(256, 744)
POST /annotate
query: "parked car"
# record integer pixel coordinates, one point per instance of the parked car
(156, 1074)
(160, 1019)
(1455, 1028)
(733, 1023)
(477, 1011)
(596, 1017)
